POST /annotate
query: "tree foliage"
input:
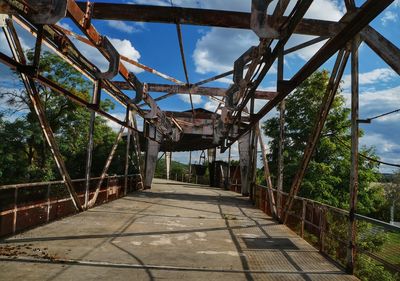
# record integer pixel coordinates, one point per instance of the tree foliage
(24, 153)
(328, 174)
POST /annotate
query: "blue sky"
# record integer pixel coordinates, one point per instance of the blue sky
(210, 51)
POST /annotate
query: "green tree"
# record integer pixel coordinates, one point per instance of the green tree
(24, 153)
(328, 174)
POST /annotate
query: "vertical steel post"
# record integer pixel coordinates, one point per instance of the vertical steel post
(322, 223)
(190, 166)
(282, 108)
(267, 175)
(128, 144)
(245, 162)
(153, 148)
(352, 227)
(48, 203)
(228, 185)
(211, 157)
(303, 217)
(15, 211)
(96, 103)
(253, 149)
(136, 142)
(168, 163)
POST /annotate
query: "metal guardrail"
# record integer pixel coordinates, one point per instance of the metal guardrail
(326, 227)
(28, 204)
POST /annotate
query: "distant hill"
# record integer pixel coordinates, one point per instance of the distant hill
(386, 177)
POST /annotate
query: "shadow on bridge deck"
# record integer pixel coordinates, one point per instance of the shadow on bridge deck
(175, 231)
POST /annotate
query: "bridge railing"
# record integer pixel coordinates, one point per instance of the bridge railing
(29, 204)
(326, 228)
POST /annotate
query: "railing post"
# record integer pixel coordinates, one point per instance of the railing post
(96, 102)
(15, 209)
(48, 203)
(312, 212)
(128, 144)
(322, 220)
(303, 218)
(107, 188)
(281, 138)
(352, 227)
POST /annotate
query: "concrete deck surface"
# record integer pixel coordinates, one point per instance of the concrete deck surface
(174, 231)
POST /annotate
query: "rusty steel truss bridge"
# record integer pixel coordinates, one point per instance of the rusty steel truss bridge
(236, 119)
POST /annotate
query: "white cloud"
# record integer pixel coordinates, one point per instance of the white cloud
(4, 48)
(65, 26)
(113, 125)
(3, 44)
(230, 5)
(384, 98)
(386, 149)
(304, 53)
(388, 17)
(211, 105)
(378, 75)
(124, 47)
(121, 26)
(196, 99)
(217, 50)
(325, 10)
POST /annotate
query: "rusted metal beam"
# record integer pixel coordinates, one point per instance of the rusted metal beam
(179, 31)
(106, 167)
(267, 174)
(137, 151)
(204, 17)
(268, 59)
(156, 116)
(282, 108)
(245, 162)
(350, 5)
(57, 88)
(352, 227)
(39, 110)
(183, 89)
(326, 104)
(124, 58)
(389, 52)
(62, 46)
(362, 17)
(305, 44)
(153, 148)
(280, 9)
(127, 149)
(96, 102)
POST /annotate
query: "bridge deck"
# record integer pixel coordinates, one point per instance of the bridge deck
(175, 231)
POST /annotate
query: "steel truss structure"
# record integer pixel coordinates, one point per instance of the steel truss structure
(237, 119)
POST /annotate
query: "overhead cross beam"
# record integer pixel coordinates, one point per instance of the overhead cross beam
(203, 17)
(362, 17)
(202, 91)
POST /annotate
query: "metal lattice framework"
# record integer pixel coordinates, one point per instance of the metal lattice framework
(237, 120)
